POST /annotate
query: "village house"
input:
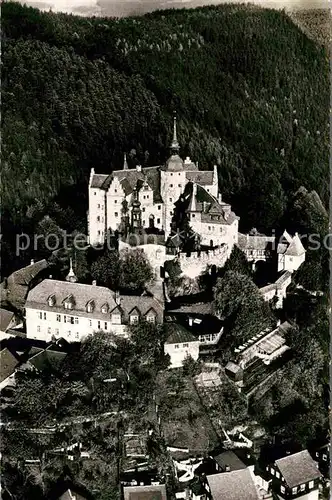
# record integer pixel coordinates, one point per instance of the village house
(15, 288)
(180, 344)
(147, 196)
(295, 476)
(233, 485)
(70, 310)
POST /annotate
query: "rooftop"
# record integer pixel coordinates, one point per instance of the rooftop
(145, 492)
(178, 334)
(102, 298)
(230, 459)
(298, 468)
(5, 319)
(8, 363)
(235, 485)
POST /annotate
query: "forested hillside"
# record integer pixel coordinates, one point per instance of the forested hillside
(250, 89)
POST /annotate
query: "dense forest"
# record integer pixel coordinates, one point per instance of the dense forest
(250, 89)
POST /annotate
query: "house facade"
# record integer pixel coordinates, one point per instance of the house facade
(147, 197)
(72, 311)
(295, 476)
(180, 344)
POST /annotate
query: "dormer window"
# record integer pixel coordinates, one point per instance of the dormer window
(90, 306)
(69, 302)
(134, 316)
(116, 318)
(51, 300)
(104, 309)
(151, 316)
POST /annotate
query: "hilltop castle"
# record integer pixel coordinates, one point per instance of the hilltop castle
(145, 198)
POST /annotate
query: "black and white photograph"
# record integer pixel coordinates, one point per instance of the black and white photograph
(165, 250)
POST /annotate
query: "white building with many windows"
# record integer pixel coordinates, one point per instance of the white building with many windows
(149, 194)
(70, 310)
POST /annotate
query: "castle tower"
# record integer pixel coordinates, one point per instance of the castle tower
(175, 146)
(136, 213)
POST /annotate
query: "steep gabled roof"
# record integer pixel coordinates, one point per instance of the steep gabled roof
(295, 247)
(157, 492)
(298, 468)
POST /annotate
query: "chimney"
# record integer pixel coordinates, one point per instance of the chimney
(94, 283)
(190, 322)
(219, 198)
(197, 164)
(227, 468)
(139, 168)
(50, 277)
(32, 262)
(117, 297)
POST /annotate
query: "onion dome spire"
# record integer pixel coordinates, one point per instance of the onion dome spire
(125, 164)
(71, 277)
(175, 146)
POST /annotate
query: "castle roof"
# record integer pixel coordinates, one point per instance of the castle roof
(204, 178)
(174, 163)
(130, 179)
(290, 245)
(211, 210)
(255, 242)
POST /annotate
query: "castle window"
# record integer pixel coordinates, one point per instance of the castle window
(65, 319)
(115, 190)
(147, 196)
(57, 331)
(44, 315)
(98, 205)
(171, 213)
(179, 185)
(158, 221)
(171, 199)
(98, 218)
(116, 214)
(185, 345)
(69, 333)
(209, 228)
(144, 223)
(76, 321)
(98, 233)
(193, 216)
(40, 314)
(90, 322)
(77, 335)
(95, 193)
(143, 209)
(159, 207)
(49, 331)
(171, 173)
(98, 325)
(171, 185)
(58, 317)
(38, 328)
(144, 197)
(105, 325)
(176, 346)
